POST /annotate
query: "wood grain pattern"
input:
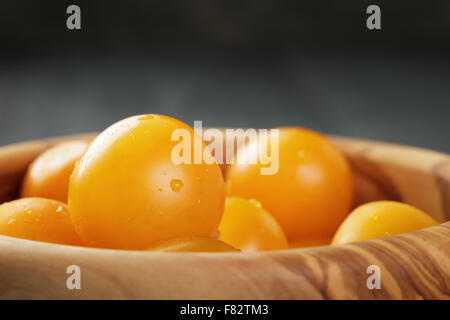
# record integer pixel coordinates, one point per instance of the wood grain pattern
(413, 265)
(412, 175)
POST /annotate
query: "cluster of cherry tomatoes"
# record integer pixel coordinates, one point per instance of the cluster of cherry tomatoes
(123, 191)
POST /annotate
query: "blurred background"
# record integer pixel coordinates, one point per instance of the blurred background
(251, 63)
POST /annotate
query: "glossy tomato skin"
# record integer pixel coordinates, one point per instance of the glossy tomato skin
(312, 192)
(49, 174)
(192, 244)
(126, 191)
(38, 219)
(380, 219)
(247, 226)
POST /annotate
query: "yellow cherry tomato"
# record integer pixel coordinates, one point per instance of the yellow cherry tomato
(247, 226)
(312, 192)
(192, 244)
(38, 219)
(381, 219)
(127, 191)
(48, 175)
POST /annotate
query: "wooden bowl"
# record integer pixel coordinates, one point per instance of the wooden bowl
(413, 265)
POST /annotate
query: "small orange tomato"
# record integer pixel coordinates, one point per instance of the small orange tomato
(309, 195)
(38, 219)
(192, 244)
(381, 219)
(247, 226)
(130, 190)
(49, 174)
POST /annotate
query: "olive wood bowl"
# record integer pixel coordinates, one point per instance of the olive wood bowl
(415, 265)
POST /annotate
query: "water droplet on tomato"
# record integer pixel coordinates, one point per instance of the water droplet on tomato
(256, 203)
(176, 185)
(146, 117)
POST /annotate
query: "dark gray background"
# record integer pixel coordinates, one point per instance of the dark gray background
(228, 63)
